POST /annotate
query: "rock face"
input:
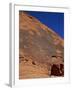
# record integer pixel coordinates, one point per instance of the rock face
(41, 50)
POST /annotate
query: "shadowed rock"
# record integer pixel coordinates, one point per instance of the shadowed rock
(57, 70)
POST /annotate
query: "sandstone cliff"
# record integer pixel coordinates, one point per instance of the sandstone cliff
(41, 50)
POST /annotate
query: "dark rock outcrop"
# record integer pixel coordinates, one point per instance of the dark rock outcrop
(57, 70)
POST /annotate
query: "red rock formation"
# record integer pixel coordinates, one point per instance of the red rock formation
(39, 49)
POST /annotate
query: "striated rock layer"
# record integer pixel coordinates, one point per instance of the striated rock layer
(41, 50)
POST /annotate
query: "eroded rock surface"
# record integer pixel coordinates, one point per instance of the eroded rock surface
(41, 50)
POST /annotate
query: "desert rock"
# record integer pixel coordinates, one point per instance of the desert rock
(40, 49)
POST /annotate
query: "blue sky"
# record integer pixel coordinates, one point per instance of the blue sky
(53, 20)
